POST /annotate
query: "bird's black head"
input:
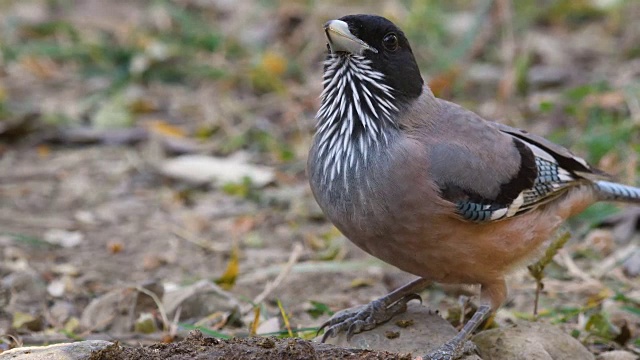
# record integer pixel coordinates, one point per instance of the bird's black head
(384, 44)
(370, 80)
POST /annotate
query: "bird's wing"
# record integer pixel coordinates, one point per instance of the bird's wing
(492, 171)
(565, 158)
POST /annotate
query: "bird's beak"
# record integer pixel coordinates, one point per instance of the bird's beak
(341, 39)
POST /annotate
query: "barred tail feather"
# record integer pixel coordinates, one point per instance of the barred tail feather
(617, 192)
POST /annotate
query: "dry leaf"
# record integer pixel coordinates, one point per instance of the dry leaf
(228, 279)
(115, 247)
(161, 127)
(43, 68)
(274, 63)
(204, 169)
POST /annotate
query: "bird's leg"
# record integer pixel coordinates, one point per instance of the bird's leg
(492, 295)
(367, 317)
(455, 347)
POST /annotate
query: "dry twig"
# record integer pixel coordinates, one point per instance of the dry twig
(165, 319)
(271, 286)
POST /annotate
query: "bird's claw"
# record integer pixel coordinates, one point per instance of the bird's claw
(445, 352)
(451, 351)
(365, 317)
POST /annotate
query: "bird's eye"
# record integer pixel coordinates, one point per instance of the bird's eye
(390, 42)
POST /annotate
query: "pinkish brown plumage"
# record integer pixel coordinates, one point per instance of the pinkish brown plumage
(429, 186)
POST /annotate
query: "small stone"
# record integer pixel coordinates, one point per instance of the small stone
(404, 323)
(64, 238)
(80, 350)
(547, 76)
(56, 288)
(28, 291)
(61, 310)
(631, 265)
(392, 334)
(617, 355)
(267, 343)
(526, 341)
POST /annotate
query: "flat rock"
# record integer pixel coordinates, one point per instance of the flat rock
(422, 332)
(529, 341)
(80, 350)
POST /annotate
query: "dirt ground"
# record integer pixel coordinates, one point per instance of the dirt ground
(97, 98)
(198, 347)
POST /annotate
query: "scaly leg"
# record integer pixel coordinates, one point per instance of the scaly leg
(492, 295)
(454, 348)
(367, 317)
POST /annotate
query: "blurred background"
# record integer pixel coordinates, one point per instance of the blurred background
(160, 144)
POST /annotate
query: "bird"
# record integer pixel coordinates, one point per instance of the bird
(428, 186)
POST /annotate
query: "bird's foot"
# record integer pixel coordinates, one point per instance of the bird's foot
(365, 317)
(458, 346)
(451, 350)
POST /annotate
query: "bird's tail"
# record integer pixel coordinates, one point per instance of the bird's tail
(610, 191)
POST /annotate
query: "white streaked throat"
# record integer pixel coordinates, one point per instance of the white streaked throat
(356, 109)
